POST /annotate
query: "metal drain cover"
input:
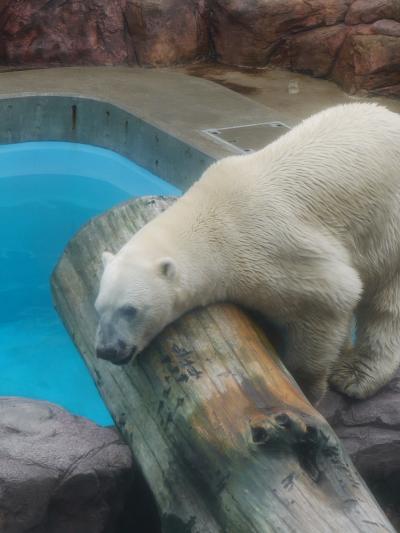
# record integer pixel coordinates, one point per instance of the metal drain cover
(249, 137)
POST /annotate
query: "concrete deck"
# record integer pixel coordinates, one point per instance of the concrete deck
(270, 87)
(174, 102)
(184, 101)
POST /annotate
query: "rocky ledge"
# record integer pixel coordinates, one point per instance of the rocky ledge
(370, 432)
(369, 429)
(60, 473)
(353, 42)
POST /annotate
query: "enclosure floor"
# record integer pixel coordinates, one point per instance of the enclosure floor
(185, 100)
(270, 87)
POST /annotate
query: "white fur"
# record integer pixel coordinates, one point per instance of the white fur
(306, 230)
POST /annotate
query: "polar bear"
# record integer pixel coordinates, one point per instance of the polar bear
(306, 231)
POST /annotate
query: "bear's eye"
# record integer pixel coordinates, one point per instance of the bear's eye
(129, 311)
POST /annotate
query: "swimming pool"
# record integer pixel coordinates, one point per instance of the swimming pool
(48, 190)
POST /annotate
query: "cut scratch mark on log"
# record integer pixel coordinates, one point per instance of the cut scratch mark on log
(376, 524)
(288, 481)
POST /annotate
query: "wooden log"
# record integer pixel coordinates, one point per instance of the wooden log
(225, 438)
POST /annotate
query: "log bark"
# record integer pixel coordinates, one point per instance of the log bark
(225, 438)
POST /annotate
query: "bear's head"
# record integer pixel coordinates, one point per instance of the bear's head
(136, 300)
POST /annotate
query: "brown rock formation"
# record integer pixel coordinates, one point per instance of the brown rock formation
(312, 52)
(101, 32)
(354, 42)
(247, 33)
(38, 32)
(367, 11)
(369, 62)
(164, 32)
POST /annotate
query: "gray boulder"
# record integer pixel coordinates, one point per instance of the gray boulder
(59, 473)
(369, 429)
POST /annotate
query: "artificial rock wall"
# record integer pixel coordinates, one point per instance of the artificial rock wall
(354, 42)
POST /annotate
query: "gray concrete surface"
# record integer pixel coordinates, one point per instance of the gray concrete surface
(274, 88)
(172, 101)
(85, 120)
(159, 117)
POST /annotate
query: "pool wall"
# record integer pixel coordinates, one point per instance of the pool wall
(85, 120)
(100, 123)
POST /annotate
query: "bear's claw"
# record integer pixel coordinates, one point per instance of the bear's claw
(278, 426)
(353, 378)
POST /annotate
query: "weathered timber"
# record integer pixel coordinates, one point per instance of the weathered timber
(225, 438)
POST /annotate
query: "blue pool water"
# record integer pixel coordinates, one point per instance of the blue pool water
(48, 190)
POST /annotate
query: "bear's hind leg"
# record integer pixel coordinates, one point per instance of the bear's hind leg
(363, 369)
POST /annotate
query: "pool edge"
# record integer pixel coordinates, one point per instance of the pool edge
(80, 119)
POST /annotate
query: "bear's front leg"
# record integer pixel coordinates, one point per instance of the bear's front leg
(364, 368)
(317, 290)
(313, 345)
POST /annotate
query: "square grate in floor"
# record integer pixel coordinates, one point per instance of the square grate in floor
(249, 137)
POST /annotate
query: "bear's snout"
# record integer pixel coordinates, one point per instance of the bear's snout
(109, 354)
(116, 355)
(111, 344)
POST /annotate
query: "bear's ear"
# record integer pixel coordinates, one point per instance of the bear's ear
(106, 258)
(166, 267)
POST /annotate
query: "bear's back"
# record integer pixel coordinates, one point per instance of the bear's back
(338, 170)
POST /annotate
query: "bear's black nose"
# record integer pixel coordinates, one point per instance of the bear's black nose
(125, 360)
(114, 355)
(107, 353)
